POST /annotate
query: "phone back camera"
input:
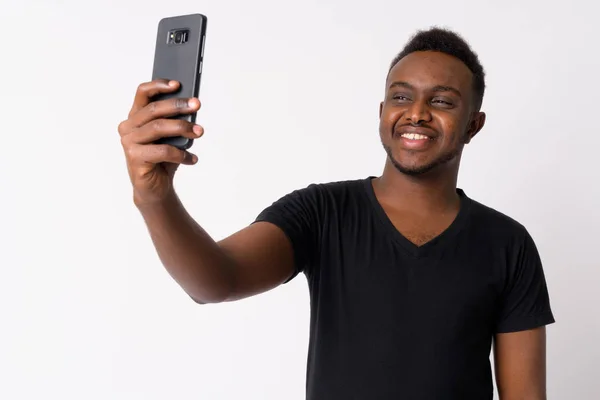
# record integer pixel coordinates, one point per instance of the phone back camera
(178, 36)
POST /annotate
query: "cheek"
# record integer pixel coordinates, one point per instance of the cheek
(388, 119)
(453, 129)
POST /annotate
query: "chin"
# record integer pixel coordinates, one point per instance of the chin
(418, 167)
(413, 170)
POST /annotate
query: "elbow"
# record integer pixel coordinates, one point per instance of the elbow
(214, 298)
(197, 300)
(216, 289)
(204, 300)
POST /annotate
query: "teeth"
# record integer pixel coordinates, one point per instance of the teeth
(414, 136)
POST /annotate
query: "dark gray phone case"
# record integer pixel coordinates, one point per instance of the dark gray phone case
(181, 62)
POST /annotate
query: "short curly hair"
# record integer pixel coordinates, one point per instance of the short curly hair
(446, 41)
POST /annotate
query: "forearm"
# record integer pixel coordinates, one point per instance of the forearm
(189, 254)
(522, 390)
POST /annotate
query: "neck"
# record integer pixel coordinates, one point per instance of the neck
(433, 191)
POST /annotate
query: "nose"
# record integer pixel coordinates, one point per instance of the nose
(418, 113)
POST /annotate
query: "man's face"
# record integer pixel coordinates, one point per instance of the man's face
(428, 112)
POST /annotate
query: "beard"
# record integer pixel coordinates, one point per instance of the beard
(416, 170)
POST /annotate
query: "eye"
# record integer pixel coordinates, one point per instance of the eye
(400, 97)
(442, 102)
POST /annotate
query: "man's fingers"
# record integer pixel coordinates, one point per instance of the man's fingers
(147, 90)
(160, 128)
(160, 153)
(164, 109)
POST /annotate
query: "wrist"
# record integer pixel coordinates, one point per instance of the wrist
(147, 203)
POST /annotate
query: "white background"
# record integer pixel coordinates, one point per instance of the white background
(290, 96)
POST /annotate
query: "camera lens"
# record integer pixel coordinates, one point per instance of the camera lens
(178, 37)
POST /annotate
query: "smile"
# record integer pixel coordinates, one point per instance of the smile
(414, 136)
(415, 141)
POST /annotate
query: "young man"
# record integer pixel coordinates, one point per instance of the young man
(411, 281)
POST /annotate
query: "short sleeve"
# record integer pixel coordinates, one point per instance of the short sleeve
(525, 303)
(297, 214)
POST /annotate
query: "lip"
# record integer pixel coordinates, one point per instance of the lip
(415, 144)
(417, 130)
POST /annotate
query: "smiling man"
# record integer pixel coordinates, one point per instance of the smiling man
(412, 282)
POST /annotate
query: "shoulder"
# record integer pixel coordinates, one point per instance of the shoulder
(329, 193)
(497, 225)
(336, 187)
(305, 214)
(318, 201)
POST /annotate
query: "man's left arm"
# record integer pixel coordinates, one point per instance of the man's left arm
(520, 364)
(520, 332)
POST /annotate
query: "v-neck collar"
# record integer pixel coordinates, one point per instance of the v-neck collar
(435, 243)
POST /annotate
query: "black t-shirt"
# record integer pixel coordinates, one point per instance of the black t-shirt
(392, 320)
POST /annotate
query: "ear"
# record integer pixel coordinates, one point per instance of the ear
(477, 122)
(380, 109)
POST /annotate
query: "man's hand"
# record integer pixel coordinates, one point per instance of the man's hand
(152, 166)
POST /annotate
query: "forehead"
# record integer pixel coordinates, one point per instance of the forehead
(425, 69)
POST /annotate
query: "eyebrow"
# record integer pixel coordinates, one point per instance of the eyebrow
(438, 88)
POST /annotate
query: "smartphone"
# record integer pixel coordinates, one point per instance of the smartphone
(178, 56)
